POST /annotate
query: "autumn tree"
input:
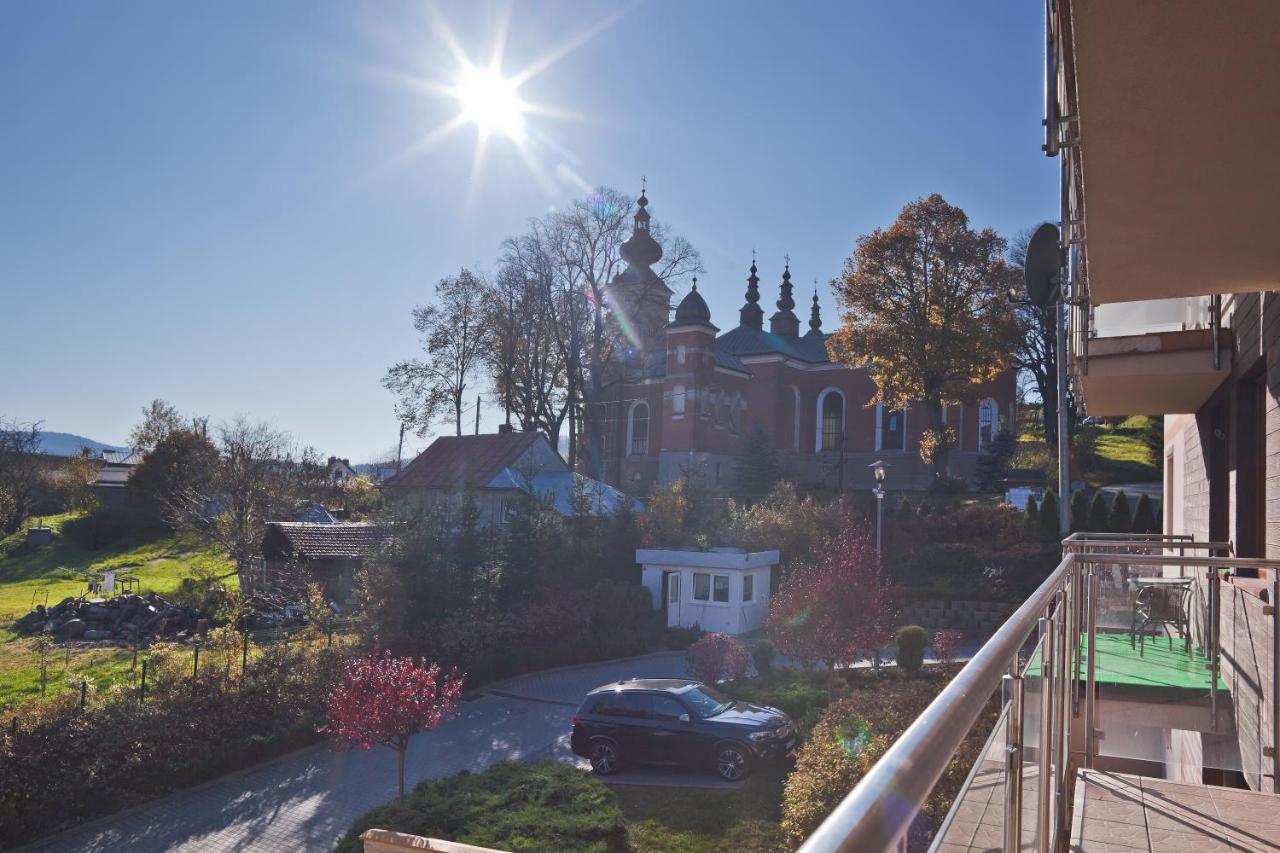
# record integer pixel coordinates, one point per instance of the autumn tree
(454, 339)
(159, 419)
(836, 607)
(182, 462)
(387, 700)
(22, 472)
(924, 309)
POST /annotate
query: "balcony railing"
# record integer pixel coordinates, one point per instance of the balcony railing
(1093, 670)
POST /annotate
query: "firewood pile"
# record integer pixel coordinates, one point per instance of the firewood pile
(124, 617)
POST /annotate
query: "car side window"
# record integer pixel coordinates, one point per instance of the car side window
(667, 709)
(636, 706)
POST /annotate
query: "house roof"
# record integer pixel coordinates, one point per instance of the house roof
(307, 540)
(122, 457)
(464, 461)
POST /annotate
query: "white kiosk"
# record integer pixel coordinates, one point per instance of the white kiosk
(724, 590)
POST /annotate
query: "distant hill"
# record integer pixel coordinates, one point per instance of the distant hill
(69, 444)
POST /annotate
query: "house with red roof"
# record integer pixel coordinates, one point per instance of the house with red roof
(498, 470)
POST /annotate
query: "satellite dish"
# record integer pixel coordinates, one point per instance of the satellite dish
(1044, 261)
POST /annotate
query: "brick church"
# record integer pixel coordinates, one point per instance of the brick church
(682, 396)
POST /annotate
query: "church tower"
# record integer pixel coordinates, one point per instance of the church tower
(785, 323)
(639, 299)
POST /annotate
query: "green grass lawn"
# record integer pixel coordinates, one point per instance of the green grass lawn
(59, 570)
(695, 820)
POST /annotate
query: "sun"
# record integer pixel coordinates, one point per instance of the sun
(490, 101)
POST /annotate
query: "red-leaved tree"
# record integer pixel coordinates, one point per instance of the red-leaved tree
(945, 644)
(386, 700)
(716, 656)
(837, 606)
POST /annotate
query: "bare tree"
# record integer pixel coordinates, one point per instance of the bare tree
(454, 340)
(250, 485)
(22, 472)
(158, 420)
(1035, 350)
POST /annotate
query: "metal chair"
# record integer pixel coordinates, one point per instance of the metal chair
(1161, 607)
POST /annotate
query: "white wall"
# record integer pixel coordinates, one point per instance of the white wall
(732, 617)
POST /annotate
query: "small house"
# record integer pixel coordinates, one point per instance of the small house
(725, 590)
(325, 553)
(499, 470)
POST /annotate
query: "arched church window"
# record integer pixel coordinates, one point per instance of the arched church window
(986, 422)
(677, 400)
(638, 428)
(832, 420)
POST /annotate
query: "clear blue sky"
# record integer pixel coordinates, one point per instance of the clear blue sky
(206, 202)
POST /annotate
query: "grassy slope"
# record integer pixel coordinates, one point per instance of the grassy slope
(1122, 455)
(690, 820)
(59, 569)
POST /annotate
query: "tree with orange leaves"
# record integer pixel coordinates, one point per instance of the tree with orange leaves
(924, 307)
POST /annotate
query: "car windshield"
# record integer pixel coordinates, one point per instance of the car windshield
(706, 702)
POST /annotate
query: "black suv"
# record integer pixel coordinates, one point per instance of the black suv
(673, 721)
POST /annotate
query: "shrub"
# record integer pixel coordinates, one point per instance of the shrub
(609, 620)
(62, 765)
(945, 644)
(679, 639)
(104, 526)
(1119, 519)
(911, 642)
(800, 694)
(1049, 515)
(924, 511)
(828, 766)
(542, 807)
(1079, 511)
(1144, 516)
(763, 655)
(1097, 522)
(1033, 511)
(716, 657)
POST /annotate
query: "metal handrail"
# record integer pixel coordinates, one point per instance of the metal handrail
(876, 814)
(878, 811)
(1086, 536)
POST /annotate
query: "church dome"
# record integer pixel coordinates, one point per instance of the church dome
(693, 308)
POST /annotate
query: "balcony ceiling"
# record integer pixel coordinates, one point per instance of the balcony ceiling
(1162, 373)
(1179, 106)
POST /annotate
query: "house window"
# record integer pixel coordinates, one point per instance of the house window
(720, 588)
(748, 588)
(677, 401)
(639, 429)
(701, 586)
(832, 420)
(681, 353)
(891, 431)
(986, 422)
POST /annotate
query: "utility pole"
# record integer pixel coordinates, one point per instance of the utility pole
(400, 448)
(477, 414)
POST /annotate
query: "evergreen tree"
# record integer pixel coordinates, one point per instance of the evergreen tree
(924, 511)
(1079, 511)
(1033, 511)
(758, 469)
(1144, 516)
(1120, 520)
(1097, 522)
(906, 511)
(993, 462)
(1049, 515)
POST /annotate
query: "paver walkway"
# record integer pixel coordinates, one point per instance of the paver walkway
(307, 800)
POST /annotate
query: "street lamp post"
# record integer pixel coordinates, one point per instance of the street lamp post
(878, 468)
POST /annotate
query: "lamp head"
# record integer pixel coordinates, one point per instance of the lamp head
(878, 468)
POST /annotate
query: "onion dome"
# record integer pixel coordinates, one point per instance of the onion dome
(750, 315)
(785, 322)
(693, 309)
(641, 250)
(815, 314)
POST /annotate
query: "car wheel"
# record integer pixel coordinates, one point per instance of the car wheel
(733, 763)
(605, 758)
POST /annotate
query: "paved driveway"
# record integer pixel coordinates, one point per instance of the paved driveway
(308, 799)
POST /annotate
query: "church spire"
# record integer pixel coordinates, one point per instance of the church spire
(751, 316)
(641, 250)
(785, 322)
(815, 313)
